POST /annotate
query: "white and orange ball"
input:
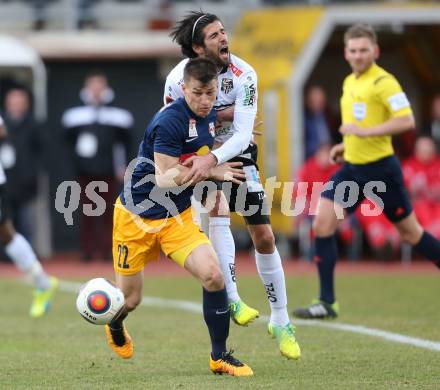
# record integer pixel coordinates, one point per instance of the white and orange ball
(99, 301)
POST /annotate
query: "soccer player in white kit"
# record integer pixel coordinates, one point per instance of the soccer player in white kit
(203, 35)
(22, 254)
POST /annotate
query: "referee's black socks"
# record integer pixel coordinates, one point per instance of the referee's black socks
(429, 247)
(326, 253)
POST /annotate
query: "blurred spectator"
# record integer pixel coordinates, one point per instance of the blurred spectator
(422, 178)
(99, 136)
(81, 10)
(19, 155)
(162, 17)
(40, 13)
(315, 172)
(432, 129)
(320, 124)
(86, 18)
(403, 144)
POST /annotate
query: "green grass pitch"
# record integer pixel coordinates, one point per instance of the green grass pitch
(62, 351)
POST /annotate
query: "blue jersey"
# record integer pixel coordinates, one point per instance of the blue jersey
(174, 131)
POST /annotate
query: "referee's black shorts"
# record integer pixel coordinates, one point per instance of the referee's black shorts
(396, 203)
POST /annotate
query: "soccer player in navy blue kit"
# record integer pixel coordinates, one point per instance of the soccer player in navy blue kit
(153, 213)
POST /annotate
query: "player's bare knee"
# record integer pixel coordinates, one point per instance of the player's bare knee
(213, 278)
(410, 230)
(132, 301)
(322, 227)
(264, 242)
(411, 237)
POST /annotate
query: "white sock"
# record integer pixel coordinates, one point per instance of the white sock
(222, 241)
(272, 274)
(26, 261)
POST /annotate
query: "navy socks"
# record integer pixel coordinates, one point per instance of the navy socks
(325, 258)
(216, 314)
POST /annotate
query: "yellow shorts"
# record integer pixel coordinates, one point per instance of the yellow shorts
(137, 240)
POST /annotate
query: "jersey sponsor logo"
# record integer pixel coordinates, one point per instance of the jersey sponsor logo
(227, 85)
(398, 101)
(359, 111)
(251, 94)
(192, 129)
(235, 70)
(190, 139)
(212, 129)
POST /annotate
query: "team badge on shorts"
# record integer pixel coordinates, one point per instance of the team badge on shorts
(227, 85)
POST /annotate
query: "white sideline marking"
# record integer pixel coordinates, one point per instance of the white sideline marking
(194, 307)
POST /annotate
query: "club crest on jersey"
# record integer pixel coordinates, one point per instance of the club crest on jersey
(227, 85)
(192, 129)
(211, 128)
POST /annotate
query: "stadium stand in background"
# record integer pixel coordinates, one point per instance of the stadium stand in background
(22, 15)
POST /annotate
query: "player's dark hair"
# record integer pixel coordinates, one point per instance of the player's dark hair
(200, 69)
(360, 31)
(189, 31)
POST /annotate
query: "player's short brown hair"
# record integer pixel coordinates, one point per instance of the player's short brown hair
(360, 31)
(200, 69)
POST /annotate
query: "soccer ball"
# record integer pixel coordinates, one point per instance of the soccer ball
(99, 301)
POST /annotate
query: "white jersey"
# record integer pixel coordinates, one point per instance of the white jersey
(2, 172)
(237, 85)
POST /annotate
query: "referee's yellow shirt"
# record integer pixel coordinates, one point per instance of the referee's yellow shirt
(367, 101)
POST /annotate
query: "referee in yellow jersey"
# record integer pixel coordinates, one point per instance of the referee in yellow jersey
(373, 108)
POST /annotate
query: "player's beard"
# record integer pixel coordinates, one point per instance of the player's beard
(217, 60)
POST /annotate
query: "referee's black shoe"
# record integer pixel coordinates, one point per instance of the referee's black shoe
(317, 310)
